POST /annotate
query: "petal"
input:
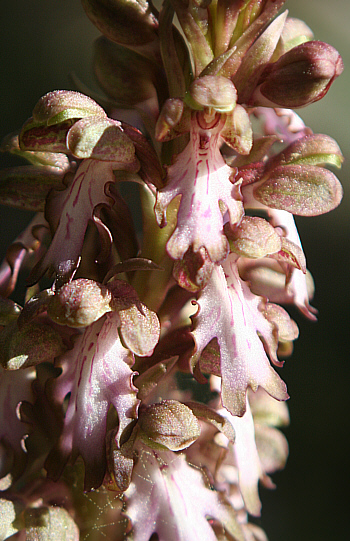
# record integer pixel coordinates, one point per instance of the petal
(169, 497)
(247, 459)
(96, 373)
(77, 203)
(201, 176)
(25, 249)
(230, 312)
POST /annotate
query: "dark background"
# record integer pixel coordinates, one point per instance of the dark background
(41, 43)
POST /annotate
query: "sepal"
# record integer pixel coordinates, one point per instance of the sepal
(254, 238)
(101, 138)
(211, 92)
(79, 303)
(28, 346)
(62, 105)
(26, 187)
(304, 190)
(168, 424)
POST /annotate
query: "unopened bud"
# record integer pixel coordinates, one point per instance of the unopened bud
(123, 74)
(301, 76)
(294, 33)
(127, 22)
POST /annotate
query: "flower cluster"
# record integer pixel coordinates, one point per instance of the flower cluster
(141, 362)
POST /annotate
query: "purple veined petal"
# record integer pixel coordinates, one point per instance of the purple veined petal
(229, 311)
(87, 190)
(97, 373)
(202, 178)
(169, 497)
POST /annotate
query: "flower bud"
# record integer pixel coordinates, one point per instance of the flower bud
(294, 33)
(301, 76)
(123, 74)
(126, 22)
(169, 424)
(79, 303)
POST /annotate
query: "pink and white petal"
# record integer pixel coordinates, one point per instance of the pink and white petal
(96, 373)
(297, 286)
(246, 459)
(230, 312)
(87, 190)
(169, 497)
(203, 179)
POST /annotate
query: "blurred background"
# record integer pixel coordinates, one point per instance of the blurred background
(42, 42)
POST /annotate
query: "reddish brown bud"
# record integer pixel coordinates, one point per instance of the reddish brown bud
(301, 76)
